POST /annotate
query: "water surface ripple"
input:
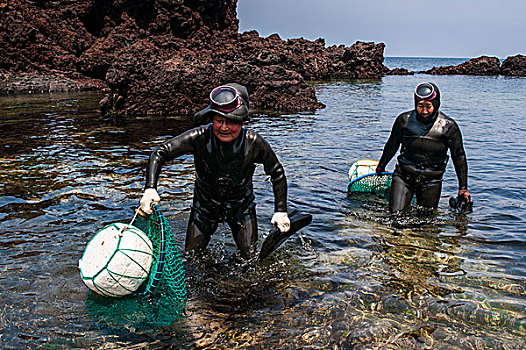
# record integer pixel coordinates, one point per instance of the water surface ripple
(352, 279)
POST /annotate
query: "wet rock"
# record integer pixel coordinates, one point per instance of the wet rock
(35, 83)
(482, 65)
(161, 57)
(274, 71)
(514, 66)
(400, 71)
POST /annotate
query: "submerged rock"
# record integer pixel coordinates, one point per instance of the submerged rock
(162, 57)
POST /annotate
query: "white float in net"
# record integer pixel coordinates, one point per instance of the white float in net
(117, 260)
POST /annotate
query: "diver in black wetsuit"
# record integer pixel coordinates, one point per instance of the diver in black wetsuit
(225, 157)
(425, 134)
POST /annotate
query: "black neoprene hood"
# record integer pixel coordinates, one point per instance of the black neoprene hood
(435, 101)
(239, 114)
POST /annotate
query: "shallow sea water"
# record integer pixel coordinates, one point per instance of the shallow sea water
(352, 279)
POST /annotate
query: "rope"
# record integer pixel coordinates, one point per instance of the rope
(124, 228)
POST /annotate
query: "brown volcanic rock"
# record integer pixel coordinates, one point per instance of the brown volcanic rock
(363, 60)
(97, 59)
(162, 57)
(482, 65)
(181, 85)
(514, 66)
(314, 61)
(273, 70)
(38, 38)
(400, 71)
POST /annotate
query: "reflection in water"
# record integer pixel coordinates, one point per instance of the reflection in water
(356, 278)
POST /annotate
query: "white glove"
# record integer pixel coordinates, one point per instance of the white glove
(281, 219)
(150, 195)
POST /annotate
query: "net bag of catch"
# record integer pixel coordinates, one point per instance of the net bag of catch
(161, 299)
(117, 260)
(363, 178)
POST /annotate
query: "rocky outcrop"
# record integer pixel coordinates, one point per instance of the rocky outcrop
(400, 71)
(514, 66)
(482, 65)
(162, 57)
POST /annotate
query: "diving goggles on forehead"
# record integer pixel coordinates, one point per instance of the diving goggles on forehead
(425, 91)
(225, 99)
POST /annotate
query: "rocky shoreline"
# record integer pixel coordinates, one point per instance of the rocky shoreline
(158, 57)
(38, 84)
(483, 66)
(13, 83)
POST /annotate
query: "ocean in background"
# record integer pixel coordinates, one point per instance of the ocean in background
(417, 64)
(350, 280)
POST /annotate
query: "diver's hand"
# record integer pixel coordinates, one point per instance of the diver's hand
(150, 195)
(465, 194)
(380, 170)
(281, 219)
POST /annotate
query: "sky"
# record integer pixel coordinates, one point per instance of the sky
(409, 28)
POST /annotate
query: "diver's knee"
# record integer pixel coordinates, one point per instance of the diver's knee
(246, 237)
(398, 207)
(196, 239)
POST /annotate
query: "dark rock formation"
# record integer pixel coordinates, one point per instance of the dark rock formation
(400, 71)
(514, 66)
(482, 65)
(163, 56)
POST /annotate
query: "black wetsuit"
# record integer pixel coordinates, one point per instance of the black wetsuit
(223, 187)
(423, 158)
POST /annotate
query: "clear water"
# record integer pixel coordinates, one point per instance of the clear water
(349, 280)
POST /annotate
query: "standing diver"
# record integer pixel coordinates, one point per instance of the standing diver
(425, 134)
(225, 157)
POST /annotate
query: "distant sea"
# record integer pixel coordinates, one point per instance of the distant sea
(422, 63)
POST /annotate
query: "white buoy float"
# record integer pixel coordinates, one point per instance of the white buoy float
(362, 167)
(117, 260)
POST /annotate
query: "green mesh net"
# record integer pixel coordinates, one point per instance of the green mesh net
(167, 269)
(371, 183)
(364, 179)
(161, 300)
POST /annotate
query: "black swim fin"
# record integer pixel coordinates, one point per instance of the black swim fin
(276, 237)
(460, 205)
